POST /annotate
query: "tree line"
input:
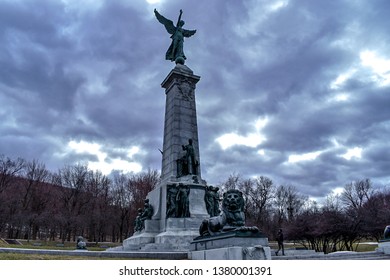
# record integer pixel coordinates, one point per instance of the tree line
(38, 204)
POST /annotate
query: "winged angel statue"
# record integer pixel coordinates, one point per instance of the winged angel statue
(175, 51)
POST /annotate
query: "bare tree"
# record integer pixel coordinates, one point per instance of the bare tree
(121, 199)
(9, 169)
(35, 196)
(73, 180)
(375, 214)
(333, 202)
(353, 197)
(261, 194)
(356, 193)
(141, 184)
(288, 203)
(98, 208)
(232, 182)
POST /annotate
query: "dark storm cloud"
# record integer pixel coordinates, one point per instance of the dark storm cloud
(89, 73)
(32, 55)
(308, 49)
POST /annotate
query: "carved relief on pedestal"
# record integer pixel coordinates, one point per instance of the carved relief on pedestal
(178, 204)
(186, 88)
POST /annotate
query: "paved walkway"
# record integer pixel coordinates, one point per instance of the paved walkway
(102, 254)
(337, 256)
(184, 255)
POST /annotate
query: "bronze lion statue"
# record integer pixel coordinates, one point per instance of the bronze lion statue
(232, 217)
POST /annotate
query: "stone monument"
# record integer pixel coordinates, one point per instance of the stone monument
(178, 202)
(384, 243)
(81, 244)
(226, 237)
(182, 213)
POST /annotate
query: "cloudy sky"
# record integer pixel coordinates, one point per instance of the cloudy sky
(295, 90)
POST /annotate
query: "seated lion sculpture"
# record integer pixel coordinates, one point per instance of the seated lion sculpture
(232, 217)
(386, 233)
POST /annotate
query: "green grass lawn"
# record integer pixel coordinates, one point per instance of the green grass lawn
(17, 256)
(366, 247)
(362, 247)
(51, 245)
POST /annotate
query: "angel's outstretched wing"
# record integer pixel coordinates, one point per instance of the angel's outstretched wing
(188, 33)
(169, 26)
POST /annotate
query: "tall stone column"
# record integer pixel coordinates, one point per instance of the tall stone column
(180, 125)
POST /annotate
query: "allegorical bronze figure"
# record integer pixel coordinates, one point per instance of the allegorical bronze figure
(175, 51)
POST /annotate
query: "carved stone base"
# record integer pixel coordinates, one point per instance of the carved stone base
(231, 246)
(233, 253)
(146, 236)
(177, 236)
(180, 231)
(384, 246)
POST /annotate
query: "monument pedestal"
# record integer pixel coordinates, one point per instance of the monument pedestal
(231, 246)
(233, 253)
(179, 231)
(384, 246)
(140, 238)
(167, 233)
(170, 233)
(177, 236)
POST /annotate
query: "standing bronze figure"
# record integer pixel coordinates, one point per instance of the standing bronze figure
(190, 158)
(175, 51)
